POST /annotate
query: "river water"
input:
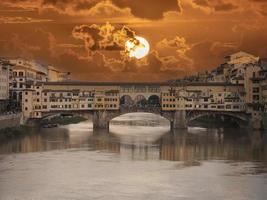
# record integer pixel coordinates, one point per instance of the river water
(138, 159)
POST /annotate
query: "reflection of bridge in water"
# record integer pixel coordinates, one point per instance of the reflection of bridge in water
(175, 146)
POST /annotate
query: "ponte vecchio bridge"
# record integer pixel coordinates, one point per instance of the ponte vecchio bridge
(180, 103)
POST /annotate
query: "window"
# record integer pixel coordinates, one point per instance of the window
(26, 100)
(236, 107)
(228, 106)
(256, 90)
(26, 108)
(20, 73)
(256, 97)
(220, 107)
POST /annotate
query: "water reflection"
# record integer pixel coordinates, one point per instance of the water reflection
(145, 142)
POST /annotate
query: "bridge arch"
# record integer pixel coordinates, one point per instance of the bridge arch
(154, 101)
(126, 100)
(240, 119)
(141, 116)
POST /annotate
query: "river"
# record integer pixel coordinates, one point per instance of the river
(139, 158)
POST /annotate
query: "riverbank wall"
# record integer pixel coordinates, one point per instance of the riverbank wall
(10, 120)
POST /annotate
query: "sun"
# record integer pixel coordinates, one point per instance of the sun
(137, 47)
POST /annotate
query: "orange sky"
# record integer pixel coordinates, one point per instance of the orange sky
(86, 37)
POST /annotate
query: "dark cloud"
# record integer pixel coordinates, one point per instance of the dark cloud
(149, 9)
(216, 5)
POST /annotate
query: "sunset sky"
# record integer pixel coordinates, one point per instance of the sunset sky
(87, 37)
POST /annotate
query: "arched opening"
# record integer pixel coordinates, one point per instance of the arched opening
(154, 101)
(56, 119)
(140, 101)
(139, 126)
(216, 120)
(126, 101)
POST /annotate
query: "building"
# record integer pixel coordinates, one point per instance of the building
(4, 85)
(204, 96)
(78, 96)
(25, 74)
(54, 97)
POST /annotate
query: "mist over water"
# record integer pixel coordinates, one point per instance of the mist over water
(139, 158)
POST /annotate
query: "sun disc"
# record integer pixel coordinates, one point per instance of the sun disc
(138, 47)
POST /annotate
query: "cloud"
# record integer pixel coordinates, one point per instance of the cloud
(220, 49)
(215, 5)
(178, 48)
(102, 37)
(149, 9)
(21, 20)
(146, 9)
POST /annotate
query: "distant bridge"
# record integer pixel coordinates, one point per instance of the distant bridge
(179, 104)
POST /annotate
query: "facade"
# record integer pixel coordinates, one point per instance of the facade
(25, 74)
(56, 97)
(67, 96)
(4, 85)
(213, 97)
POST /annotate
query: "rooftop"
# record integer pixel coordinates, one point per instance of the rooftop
(70, 83)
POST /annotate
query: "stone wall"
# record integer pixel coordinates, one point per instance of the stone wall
(11, 120)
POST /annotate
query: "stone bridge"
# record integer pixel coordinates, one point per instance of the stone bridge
(102, 102)
(178, 119)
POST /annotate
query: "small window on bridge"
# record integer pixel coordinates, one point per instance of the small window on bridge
(236, 107)
(228, 106)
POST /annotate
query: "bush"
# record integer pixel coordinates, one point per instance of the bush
(8, 133)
